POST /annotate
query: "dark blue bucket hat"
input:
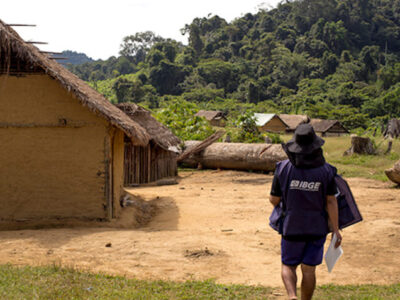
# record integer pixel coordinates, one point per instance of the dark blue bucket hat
(304, 140)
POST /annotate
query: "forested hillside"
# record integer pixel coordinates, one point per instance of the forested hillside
(335, 59)
(74, 58)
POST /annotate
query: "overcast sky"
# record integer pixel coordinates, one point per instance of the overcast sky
(97, 27)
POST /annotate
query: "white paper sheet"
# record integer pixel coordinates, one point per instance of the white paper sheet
(332, 254)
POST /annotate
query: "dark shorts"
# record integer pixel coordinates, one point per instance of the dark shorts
(297, 252)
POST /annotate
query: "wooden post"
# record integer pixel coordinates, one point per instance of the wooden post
(148, 162)
(137, 164)
(109, 182)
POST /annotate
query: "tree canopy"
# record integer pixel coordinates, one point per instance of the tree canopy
(337, 59)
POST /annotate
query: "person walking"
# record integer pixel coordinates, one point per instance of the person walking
(304, 188)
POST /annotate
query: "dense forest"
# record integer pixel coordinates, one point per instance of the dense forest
(74, 58)
(332, 59)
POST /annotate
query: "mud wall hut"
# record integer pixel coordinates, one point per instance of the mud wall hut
(292, 121)
(62, 152)
(155, 161)
(270, 123)
(328, 127)
(216, 118)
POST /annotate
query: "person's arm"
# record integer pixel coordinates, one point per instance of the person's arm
(332, 208)
(276, 193)
(274, 200)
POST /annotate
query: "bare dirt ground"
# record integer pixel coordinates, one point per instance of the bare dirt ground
(213, 224)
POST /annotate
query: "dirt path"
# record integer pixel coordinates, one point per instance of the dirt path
(214, 225)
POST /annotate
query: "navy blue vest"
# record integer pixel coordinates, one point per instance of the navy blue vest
(303, 199)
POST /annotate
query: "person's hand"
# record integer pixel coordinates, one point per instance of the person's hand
(339, 238)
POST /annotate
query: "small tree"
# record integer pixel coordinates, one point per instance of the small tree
(179, 116)
(249, 132)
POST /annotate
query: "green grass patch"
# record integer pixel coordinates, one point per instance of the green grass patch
(352, 292)
(366, 166)
(58, 283)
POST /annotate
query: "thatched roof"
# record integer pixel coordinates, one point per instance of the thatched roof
(210, 114)
(159, 133)
(320, 125)
(294, 120)
(12, 45)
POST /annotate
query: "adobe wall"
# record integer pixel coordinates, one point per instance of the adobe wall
(52, 154)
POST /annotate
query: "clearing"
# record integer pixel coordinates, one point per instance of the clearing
(213, 224)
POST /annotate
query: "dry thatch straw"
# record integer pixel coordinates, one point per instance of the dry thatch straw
(158, 132)
(294, 120)
(13, 46)
(320, 125)
(210, 114)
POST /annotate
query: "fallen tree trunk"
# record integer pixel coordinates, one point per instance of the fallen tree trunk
(200, 146)
(236, 156)
(394, 173)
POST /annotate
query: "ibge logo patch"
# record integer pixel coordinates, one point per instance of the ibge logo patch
(305, 185)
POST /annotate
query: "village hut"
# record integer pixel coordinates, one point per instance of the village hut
(62, 143)
(292, 121)
(156, 160)
(216, 118)
(270, 123)
(328, 127)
